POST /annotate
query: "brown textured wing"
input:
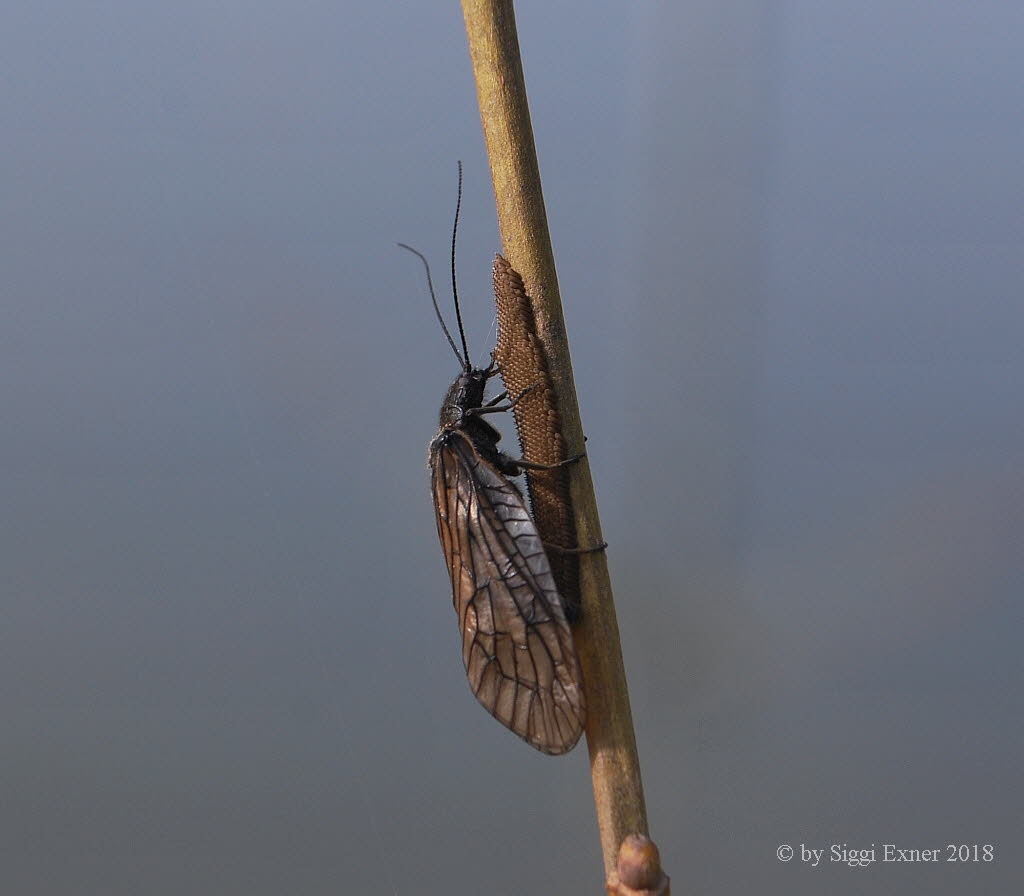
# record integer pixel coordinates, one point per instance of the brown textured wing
(516, 644)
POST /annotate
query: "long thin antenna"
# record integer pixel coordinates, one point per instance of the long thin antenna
(455, 289)
(433, 298)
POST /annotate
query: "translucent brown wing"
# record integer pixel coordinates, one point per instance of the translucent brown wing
(516, 644)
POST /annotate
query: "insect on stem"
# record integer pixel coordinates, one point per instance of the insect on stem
(517, 646)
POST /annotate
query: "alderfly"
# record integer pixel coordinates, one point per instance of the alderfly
(517, 646)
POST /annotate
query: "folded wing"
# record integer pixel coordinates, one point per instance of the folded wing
(516, 643)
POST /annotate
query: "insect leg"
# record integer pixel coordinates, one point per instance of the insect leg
(488, 409)
(492, 408)
(551, 546)
(530, 465)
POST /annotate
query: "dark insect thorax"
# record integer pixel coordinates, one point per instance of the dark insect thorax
(465, 395)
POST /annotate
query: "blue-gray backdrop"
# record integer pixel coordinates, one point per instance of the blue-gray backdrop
(789, 240)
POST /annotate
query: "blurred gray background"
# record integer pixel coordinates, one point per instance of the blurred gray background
(789, 241)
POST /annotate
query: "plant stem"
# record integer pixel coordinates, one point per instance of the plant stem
(501, 90)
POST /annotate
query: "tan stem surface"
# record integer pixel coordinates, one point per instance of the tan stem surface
(501, 90)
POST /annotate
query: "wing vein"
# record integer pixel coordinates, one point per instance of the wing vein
(517, 645)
